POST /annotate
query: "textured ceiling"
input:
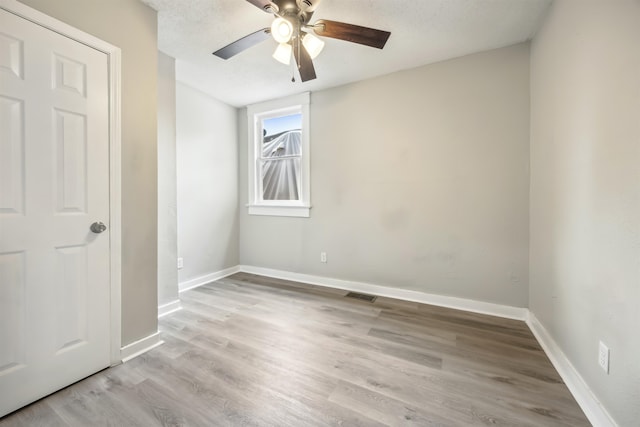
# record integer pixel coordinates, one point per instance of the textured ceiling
(422, 32)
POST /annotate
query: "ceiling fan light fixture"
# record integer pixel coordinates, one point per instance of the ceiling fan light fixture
(292, 29)
(283, 53)
(281, 30)
(313, 45)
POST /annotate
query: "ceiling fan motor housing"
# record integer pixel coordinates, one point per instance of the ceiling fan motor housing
(286, 5)
(308, 5)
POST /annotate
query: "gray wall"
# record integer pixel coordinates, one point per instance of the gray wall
(419, 181)
(207, 159)
(585, 187)
(167, 222)
(131, 26)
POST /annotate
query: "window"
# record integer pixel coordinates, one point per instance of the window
(279, 157)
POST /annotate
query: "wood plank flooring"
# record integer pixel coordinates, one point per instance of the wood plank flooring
(254, 351)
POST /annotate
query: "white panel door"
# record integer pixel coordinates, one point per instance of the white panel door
(54, 183)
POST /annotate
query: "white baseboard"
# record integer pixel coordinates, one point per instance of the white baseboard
(593, 409)
(492, 309)
(169, 308)
(207, 278)
(136, 348)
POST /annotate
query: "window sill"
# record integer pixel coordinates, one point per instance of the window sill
(291, 211)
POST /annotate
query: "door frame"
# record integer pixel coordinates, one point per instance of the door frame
(114, 79)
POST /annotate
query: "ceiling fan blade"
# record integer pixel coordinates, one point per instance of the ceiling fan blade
(304, 62)
(351, 33)
(242, 44)
(265, 5)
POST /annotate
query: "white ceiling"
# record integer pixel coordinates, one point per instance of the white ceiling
(422, 32)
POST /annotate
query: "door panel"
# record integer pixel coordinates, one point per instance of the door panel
(54, 183)
(11, 156)
(71, 307)
(12, 328)
(69, 75)
(11, 54)
(71, 168)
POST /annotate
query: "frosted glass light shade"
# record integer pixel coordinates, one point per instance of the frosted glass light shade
(313, 45)
(281, 30)
(283, 53)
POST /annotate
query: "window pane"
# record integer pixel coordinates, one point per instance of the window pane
(281, 179)
(282, 136)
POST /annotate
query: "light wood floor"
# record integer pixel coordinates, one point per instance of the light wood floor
(249, 350)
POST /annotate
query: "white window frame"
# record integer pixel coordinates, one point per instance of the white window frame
(256, 113)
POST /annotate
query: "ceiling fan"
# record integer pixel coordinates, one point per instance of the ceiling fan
(291, 29)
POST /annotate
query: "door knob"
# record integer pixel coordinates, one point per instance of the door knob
(98, 227)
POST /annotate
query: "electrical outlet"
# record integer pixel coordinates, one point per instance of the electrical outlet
(180, 263)
(603, 357)
(323, 257)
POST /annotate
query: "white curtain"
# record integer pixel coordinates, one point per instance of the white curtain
(281, 176)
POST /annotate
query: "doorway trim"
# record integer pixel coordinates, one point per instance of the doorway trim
(114, 63)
